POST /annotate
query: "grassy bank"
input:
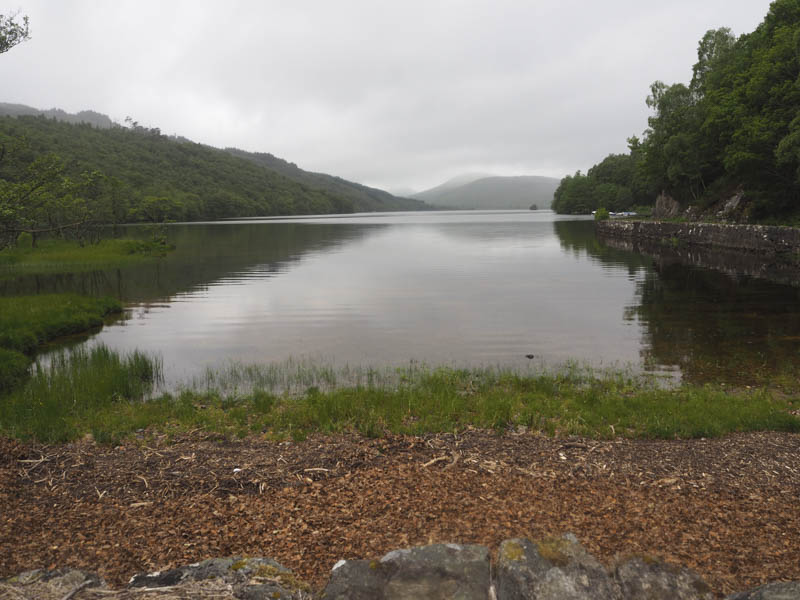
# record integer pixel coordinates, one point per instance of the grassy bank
(101, 392)
(66, 256)
(27, 322)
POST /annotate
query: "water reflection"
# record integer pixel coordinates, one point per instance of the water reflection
(205, 254)
(713, 324)
(442, 288)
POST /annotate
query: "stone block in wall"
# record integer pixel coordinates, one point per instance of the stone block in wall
(643, 578)
(771, 591)
(50, 585)
(248, 578)
(551, 569)
(436, 572)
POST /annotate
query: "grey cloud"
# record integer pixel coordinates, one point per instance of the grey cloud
(387, 93)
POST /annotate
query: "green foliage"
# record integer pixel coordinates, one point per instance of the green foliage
(735, 125)
(616, 184)
(68, 256)
(25, 241)
(102, 392)
(40, 197)
(76, 394)
(601, 214)
(13, 369)
(28, 321)
(12, 32)
(149, 177)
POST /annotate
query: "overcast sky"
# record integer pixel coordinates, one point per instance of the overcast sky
(392, 94)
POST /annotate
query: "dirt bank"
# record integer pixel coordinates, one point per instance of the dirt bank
(726, 507)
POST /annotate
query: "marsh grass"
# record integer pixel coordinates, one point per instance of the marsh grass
(29, 321)
(102, 393)
(69, 256)
(76, 392)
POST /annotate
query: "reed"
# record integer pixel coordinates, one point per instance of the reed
(69, 397)
(112, 396)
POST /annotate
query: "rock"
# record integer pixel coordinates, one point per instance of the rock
(55, 585)
(249, 578)
(650, 579)
(356, 580)
(730, 206)
(266, 591)
(771, 591)
(551, 569)
(666, 207)
(439, 571)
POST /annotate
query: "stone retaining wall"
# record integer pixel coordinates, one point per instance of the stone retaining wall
(550, 569)
(770, 253)
(761, 239)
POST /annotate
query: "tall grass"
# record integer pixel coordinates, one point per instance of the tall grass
(65, 256)
(28, 321)
(102, 393)
(62, 401)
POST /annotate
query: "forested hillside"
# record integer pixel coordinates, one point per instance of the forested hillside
(364, 197)
(735, 126)
(51, 169)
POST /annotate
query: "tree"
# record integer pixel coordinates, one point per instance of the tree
(12, 32)
(45, 200)
(716, 46)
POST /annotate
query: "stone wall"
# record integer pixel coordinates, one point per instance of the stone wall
(760, 239)
(549, 569)
(770, 253)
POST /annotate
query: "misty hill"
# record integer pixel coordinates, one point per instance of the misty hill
(359, 194)
(450, 184)
(470, 192)
(85, 116)
(201, 182)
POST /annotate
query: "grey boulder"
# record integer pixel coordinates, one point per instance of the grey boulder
(771, 591)
(651, 579)
(551, 569)
(436, 572)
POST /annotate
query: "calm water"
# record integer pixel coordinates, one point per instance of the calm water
(476, 288)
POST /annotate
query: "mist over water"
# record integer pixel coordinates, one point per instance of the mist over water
(456, 289)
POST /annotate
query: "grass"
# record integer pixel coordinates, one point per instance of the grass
(27, 322)
(59, 401)
(102, 393)
(68, 256)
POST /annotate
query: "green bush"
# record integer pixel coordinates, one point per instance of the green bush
(25, 240)
(601, 214)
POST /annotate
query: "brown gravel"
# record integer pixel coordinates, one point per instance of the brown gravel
(728, 508)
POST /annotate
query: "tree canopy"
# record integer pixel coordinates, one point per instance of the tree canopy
(12, 31)
(139, 174)
(736, 125)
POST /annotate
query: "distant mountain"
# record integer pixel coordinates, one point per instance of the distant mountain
(471, 192)
(450, 184)
(207, 182)
(85, 116)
